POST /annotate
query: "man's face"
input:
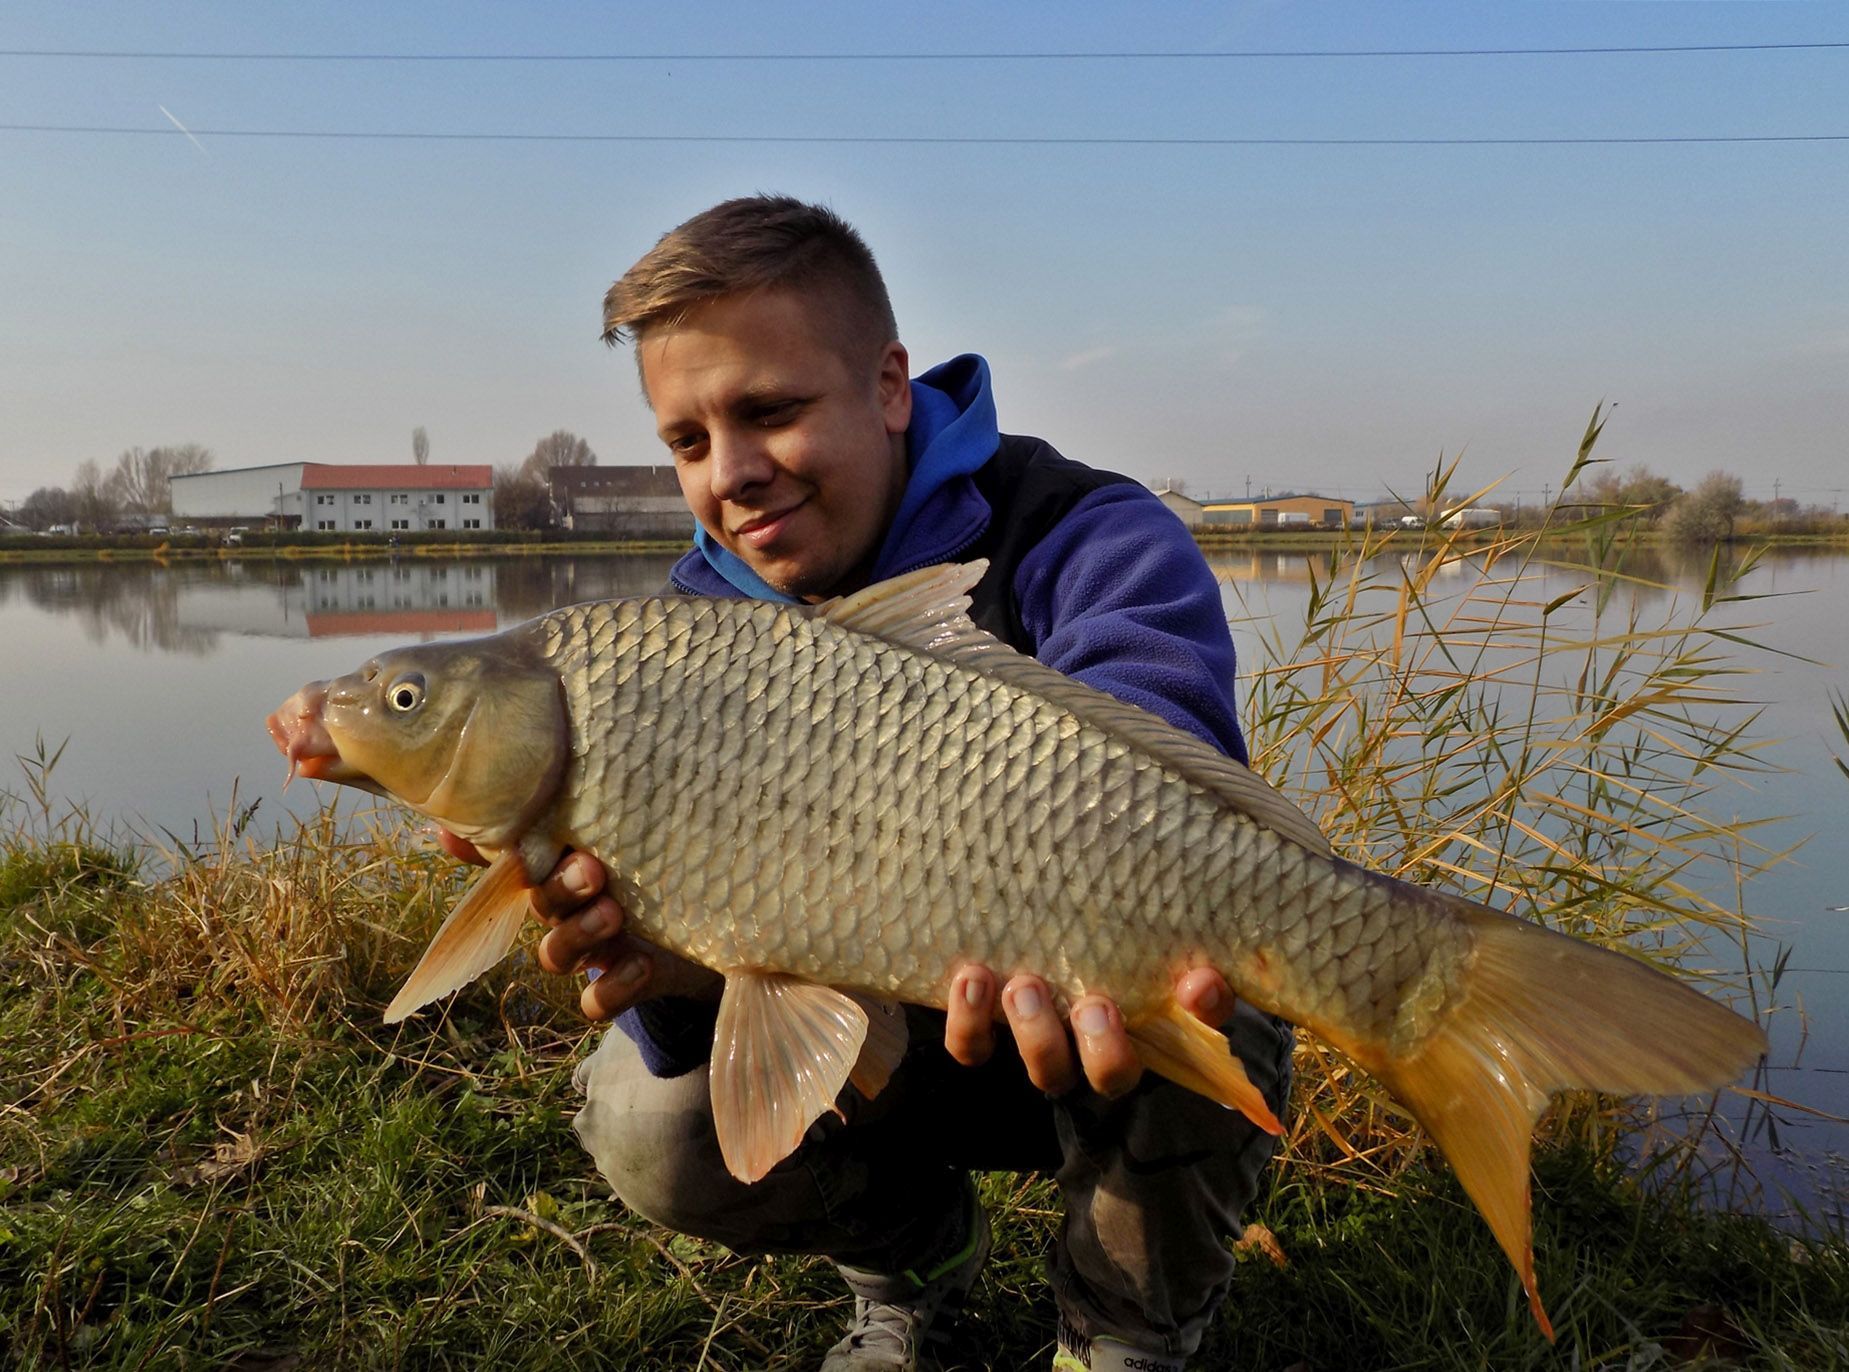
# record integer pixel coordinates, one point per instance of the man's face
(789, 453)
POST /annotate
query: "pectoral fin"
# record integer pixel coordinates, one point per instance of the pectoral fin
(477, 934)
(782, 1050)
(1188, 1053)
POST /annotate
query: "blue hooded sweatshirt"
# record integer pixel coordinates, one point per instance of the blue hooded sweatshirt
(1115, 593)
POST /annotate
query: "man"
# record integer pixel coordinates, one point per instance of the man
(813, 466)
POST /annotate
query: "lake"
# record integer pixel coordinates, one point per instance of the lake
(160, 677)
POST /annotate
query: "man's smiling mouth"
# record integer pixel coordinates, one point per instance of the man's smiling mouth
(762, 528)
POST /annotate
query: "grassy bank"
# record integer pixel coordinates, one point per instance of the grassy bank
(213, 1154)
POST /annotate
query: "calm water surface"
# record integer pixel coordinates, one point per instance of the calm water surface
(160, 677)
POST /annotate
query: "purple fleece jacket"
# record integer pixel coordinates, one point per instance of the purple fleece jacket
(1116, 595)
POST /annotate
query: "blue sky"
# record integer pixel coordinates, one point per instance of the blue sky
(1324, 317)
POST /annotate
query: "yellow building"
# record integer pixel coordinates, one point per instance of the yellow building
(1278, 512)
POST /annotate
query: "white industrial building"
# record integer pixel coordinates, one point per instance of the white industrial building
(328, 497)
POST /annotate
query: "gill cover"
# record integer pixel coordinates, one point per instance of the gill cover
(472, 734)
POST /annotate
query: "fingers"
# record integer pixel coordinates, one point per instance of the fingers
(1039, 1034)
(969, 1018)
(459, 848)
(571, 883)
(623, 979)
(570, 942)
(1204, 994)
(1105, 1051)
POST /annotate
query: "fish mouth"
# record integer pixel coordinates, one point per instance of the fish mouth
(301, 736)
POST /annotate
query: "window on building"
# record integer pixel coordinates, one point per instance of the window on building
(324, 500)
(401, 499)
(471, 500)
(362, 523)
(438, 524)
(439, 497)
(364, 498)
(324, 524)
(401, 523)
(471, 524)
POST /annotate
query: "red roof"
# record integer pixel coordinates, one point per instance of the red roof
(329, 476)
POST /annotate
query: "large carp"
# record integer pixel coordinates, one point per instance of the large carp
(836, 805)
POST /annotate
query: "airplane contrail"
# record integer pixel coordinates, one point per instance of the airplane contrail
(182, 128)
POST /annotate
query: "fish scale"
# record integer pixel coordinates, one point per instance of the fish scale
(771, 791)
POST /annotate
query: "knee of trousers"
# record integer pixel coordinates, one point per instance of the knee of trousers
(652, 1139)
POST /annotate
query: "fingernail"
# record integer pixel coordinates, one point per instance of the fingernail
(574, 880)
(595, 921)
(975, 992)
(629, 971)
(1092, 1019)
(592, 973)
(1027, 1002)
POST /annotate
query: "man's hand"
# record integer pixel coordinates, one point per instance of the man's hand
(585, 930)
(1105, 1054)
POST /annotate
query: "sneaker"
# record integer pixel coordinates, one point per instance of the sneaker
(911, 1320)
(1076, 1353)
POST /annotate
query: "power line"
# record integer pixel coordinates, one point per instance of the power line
(438, 136)
(1160, 56)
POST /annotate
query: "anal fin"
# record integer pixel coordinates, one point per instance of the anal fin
(477, 934)
(1188, 1053)
(782, 1050)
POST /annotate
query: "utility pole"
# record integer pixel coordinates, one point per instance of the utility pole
(1248, 486)
(1775, 504)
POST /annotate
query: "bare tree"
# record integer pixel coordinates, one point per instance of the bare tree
(46, 506)
(94, 501)
(142, 480)
(561, 448)
(521, 500)
(420, 446)
(1706, 514)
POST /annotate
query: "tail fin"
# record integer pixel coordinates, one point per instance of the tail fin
(1541, 1013)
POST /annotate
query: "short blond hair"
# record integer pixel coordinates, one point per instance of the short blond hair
(760, 242)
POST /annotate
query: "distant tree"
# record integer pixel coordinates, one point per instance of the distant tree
(521, 500)
(1638, 489)
(96, 505)
(46, 506)
(1706, 514)
(142, 480)
(420, 446)
(561, 448)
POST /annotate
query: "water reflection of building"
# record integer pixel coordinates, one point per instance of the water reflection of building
(1265, 566)
(402, 597)
(409, 597)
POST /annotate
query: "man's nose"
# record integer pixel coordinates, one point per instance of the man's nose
(738, 462)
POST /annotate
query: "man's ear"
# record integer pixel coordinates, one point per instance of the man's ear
(895, 387)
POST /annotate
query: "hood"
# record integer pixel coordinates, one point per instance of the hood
(952, 434)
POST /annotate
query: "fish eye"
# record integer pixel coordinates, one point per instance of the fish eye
(406, 694)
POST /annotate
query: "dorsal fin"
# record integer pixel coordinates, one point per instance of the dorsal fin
(928, 611)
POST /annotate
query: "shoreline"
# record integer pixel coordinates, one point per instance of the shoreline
(22, 552)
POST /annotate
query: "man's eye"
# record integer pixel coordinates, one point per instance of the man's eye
(780, 413)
